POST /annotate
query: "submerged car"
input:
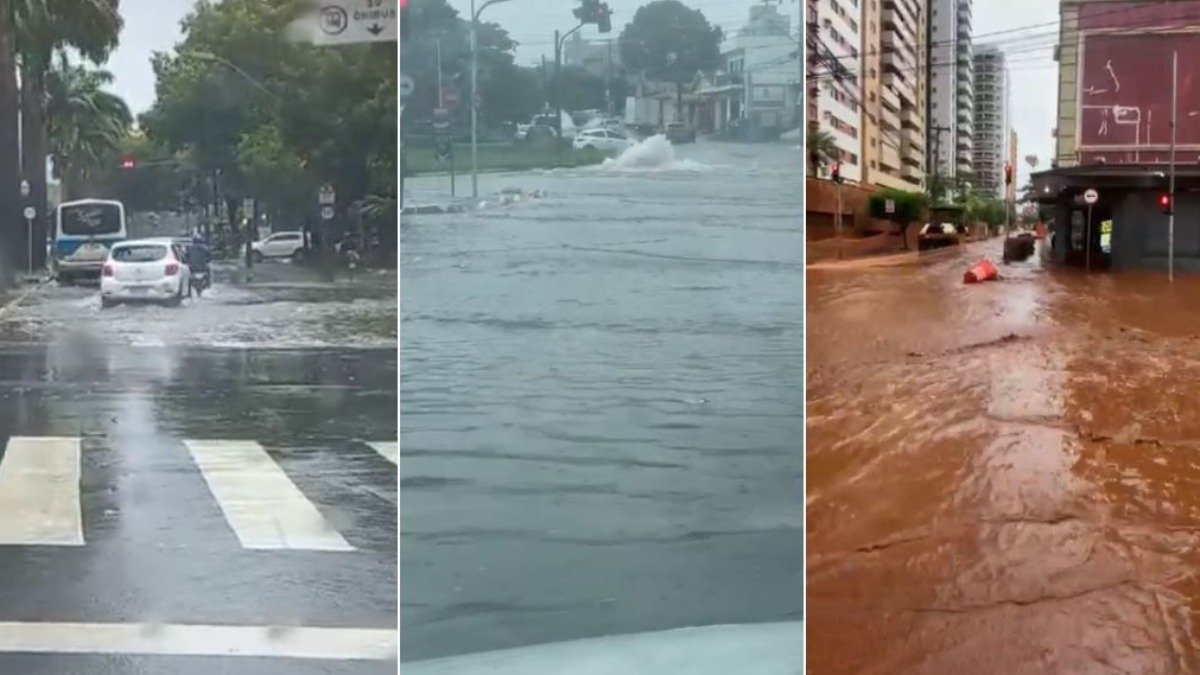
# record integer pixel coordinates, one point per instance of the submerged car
(938, 235)
(144, 270)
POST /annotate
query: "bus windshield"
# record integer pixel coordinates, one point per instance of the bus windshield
(90, 219)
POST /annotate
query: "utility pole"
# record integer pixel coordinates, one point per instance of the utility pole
(608, 79)
(441, 101)
(935, 184)
(1171, 179)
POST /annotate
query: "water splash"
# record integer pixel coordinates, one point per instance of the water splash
(653, 154)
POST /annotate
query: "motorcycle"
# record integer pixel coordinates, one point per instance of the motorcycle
(200, 282)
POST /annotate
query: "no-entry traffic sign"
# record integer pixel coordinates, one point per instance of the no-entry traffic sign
(1091, 196)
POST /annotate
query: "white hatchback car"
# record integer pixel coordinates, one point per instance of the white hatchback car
(144, 270)
(606, 140)
(279, 245)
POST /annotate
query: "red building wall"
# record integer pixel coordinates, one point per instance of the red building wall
(1125, 81)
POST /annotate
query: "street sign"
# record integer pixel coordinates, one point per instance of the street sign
(450, 97)
(406, 86)
(30, 213)
(441, 119)
(1091, 196)
(348, 22)
(889, 206)
(327, 212)
(326, 195)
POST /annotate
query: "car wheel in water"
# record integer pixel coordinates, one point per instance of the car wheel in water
(177, 299)
(105, 303)
(298, 255)
(258, 257)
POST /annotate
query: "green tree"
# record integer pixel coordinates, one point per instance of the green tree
(822, 148)
(10, 165)
(670, 42)
(909, 207)
(87, 124)
(579, 89)
(86, 27)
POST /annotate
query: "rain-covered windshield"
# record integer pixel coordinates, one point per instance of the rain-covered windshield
(91, 219)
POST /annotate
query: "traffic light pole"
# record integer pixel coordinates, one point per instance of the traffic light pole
(475, 94)
(558, 59)
(1171, 179)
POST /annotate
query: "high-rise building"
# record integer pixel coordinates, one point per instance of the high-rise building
(1011, 192)
(951, 91)
(893, 93)
(838, 28)
(991, 120)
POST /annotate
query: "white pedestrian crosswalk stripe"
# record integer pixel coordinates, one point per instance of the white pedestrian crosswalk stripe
(295, 642)
(41, 502)
(390, 450)
(39, 492)
(263, 506)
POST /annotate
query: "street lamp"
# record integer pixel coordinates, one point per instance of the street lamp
(213, 58)
(475, 95)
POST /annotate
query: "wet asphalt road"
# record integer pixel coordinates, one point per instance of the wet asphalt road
(300, 375)
(1002, 478)
(601, 423)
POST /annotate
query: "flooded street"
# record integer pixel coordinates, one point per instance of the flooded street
(600, 396)
(1005, 477)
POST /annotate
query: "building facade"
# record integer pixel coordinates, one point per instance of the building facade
(894, 92)
(991, 121)
(1113, 135)
(838, 103)
(951, 90)
(1010, 192)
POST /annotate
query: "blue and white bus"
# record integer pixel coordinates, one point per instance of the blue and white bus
(84, 230)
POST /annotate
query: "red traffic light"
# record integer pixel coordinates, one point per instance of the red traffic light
(127, 163)
(1164, 203)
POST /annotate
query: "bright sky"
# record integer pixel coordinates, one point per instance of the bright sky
(1025, 30)
(150, 26)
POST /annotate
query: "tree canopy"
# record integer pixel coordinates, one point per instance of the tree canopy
(669, 41)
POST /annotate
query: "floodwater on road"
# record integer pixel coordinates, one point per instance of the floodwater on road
(1003, 477)
(601, 392)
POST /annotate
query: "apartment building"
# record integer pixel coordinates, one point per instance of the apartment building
(894, 93)
(951, 90)
(838, 103)
(991, 120)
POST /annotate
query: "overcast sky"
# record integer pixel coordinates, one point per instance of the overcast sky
(1019, 27)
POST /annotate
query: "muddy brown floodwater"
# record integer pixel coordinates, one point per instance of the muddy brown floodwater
(1004, 477)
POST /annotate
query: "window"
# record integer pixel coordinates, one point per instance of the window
(139, 253)
(873, 164)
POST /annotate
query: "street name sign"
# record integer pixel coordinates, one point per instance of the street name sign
(348, 22)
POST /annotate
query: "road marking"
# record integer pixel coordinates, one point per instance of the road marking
(39, 492)
(263, 506)
(391, 450)
(297, 642)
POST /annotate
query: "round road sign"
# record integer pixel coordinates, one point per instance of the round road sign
(30, 212)
(1091, 196)
(327, 213)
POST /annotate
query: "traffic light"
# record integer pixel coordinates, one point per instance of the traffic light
(403, 19)
(1164, 203)
(836, 172)
(594, 11)
(1008, 173)
(128, 163)
(602, 21)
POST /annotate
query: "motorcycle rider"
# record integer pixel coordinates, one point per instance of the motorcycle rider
(199, 257)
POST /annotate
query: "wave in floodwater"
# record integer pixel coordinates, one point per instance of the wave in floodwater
(652, 154)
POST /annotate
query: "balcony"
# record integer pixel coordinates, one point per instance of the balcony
(964, 30)
(964, 116)
(895, 40)
(965, 72)
(910, 118)
(964, 142)
(899, 61)
(913, 174)
(964, 101)
(889, 97)
(913, 139)
(889, 119)
(902, 85)
(896, 21)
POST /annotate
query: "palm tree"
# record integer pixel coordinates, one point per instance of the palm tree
(822, 147)
(43, 27)
(86, 123)
(10, 167)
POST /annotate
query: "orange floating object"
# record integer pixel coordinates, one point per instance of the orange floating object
(983, 270)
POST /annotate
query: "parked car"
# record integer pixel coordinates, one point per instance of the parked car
(678, 132)
(279, 245)
(144, 270)
(601, 139)
(938, 235)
